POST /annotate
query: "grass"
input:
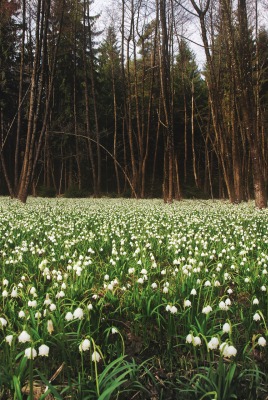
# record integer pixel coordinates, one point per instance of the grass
(133, 299)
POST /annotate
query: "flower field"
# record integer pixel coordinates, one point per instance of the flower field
(126, 299)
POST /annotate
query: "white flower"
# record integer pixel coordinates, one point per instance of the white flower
(193, 292)
(84, 345)
(21, 314)
(78, 313)
(32, 290)
(261, 341)
(230, 351)
(14, 292)
(95, 356)
(207, 283)
(226, 327)
(5, 293)
(173, 310)
(189, 338)
(43, 350)
(223, 306)
(255, 301)
(106, 277)
(30, 353)
(144, 271)
(140, 280)
(60, 294)
(24, 337)
(9, 339)
(187, 303)
(131, 270)
(213, 343)
(206, 310)
(263, 288)
(5, 282)
(50, 327)
(69, 316)
(217, 284)
(165, 289)
(90, 306)
(227, 350)
(256, 317)
(38, 315)
(3, 322)
(228, 302)
(154, 285)
(32, 303)
(230, 291)
(52, 307)
(196, 341)
(114, 330)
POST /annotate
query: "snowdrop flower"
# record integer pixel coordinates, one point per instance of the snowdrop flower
(144, 271)
(60, 294)
(154, 285)
(69, 316)
(30, 353)
(21, 314)
(90, 307)
(230, 291)
(255, 301)
(33, 290)
(173, 310)
(189, 338)
(114, 331)
(38, 315)
(261, 341)
(32, 303)
(95, 356)
(43, 350)
(106, 277)
(223, 306)
(84, 345)
(24, 337)
(227, 350)
(207, 283)
(78, 313)
(187, 303)
(226, 327)
(131, 270)
(230, 352)
(168, 307)
(5, 293)
(217, 284)
(95, 296)
(52, 307)
(50, 327)
(256, 317)
(9, 339)
(140, 280)
(193, 292)
(228, 302)
(197, 341)
(247, 280)
(47, 300)
(206, 310)
(5, 282)
(3, 322)
(14, 292)
(213, 343)
(165, 289)
(263, 288)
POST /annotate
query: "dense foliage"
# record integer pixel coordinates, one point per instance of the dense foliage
(117, 298)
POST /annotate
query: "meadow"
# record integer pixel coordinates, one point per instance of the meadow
(126, 299)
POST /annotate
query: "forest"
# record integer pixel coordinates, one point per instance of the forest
(126, 111)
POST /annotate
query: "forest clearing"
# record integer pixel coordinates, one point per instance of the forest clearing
(133, 299)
